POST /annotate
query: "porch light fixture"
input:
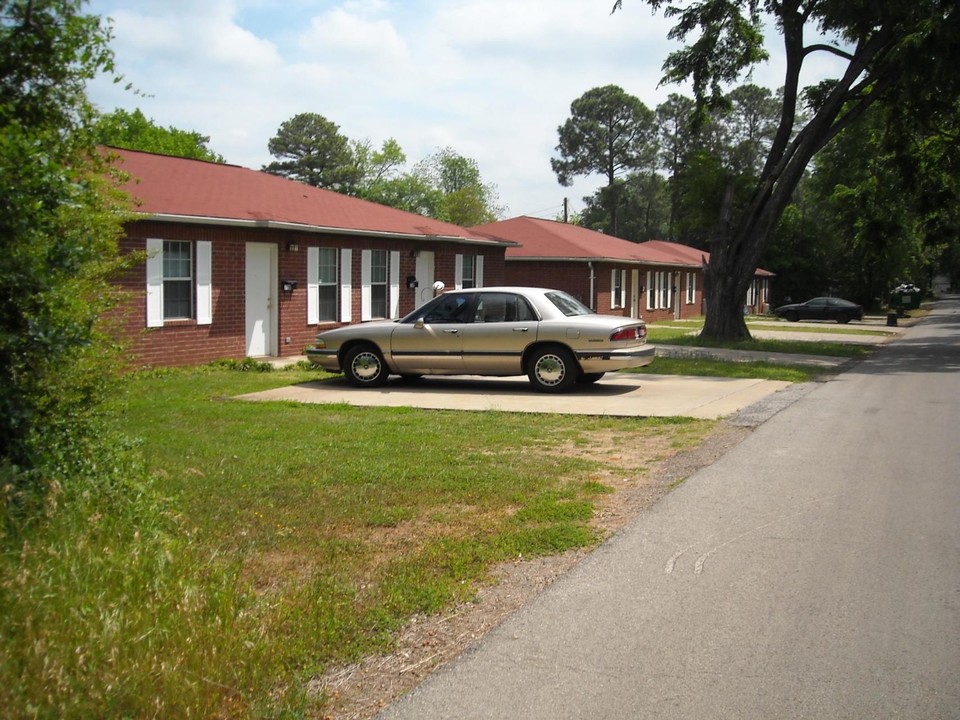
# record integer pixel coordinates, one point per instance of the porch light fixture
(292, 246)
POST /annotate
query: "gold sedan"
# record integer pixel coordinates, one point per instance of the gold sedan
(547, 335)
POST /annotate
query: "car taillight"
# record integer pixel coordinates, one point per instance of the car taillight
(637, 332)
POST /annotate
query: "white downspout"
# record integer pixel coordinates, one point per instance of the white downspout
(593, 282)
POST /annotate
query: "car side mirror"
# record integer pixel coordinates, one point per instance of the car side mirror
(419, 324)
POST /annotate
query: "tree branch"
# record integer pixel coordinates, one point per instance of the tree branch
(818, 47)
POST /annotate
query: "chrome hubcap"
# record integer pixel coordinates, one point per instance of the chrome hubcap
(550, 370)
(366, 366)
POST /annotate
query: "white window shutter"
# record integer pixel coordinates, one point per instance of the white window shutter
(458, 273)
(154, 282)
(479, 271)
(204, 282)
(649, 290)
(313, 285)
(346, 285)
(394, 309)
(366, 261)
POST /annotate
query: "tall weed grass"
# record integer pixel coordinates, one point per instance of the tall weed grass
(111, 610)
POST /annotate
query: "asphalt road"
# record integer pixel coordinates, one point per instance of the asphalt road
(812, 572)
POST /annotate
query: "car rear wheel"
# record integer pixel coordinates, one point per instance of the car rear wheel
(552, 369)
(363, 366)
(843, 319)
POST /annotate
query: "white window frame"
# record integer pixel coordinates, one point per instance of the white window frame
(392, 283)
(459, 279)
(659, 290)
(346, 285)
(316, 283)
(618, 289)
(691, 288)
(201, 278)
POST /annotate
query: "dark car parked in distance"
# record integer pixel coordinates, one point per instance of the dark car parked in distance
(821, 308)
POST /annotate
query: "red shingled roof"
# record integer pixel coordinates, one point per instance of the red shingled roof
(549, 239)
(538, 239)
(181, 189)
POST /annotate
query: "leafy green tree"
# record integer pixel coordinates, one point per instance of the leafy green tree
(383, 181)
(800, 251)
(311, 150)
(643, 208)
(408, 191)
(678, 138)
(464, 199)
(610, 133)
(886, 49)
(869, 215)
(58, 229)
(133, 131)
(927, 154)
(885, 197)
(749, 125)
(376, 166)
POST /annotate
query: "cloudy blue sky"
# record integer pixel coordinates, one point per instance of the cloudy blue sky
(492, 79)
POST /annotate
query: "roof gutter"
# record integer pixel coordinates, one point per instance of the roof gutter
(622, 261)
(316, 229)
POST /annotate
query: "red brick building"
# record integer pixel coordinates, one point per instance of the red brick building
(241, 263)
(657, 280)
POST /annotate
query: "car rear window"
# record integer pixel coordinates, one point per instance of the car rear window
(567, 304)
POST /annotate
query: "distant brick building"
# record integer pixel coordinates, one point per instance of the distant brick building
(657, 280)
(242, 263)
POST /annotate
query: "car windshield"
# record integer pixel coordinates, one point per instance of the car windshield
(567, 304)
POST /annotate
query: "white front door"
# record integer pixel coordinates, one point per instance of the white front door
(261, 291)
(424, 277)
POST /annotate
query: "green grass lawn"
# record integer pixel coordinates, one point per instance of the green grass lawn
(345, 521)
(673, 335)
(278, 540)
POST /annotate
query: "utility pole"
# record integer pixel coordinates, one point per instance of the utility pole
(566, 206)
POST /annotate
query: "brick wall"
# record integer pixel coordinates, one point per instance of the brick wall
(184, 342)
(574, 278)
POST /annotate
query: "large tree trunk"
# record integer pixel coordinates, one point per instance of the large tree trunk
(724, 300)
(727, 275)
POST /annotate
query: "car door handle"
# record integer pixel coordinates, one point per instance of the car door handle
(521, 329)
(452, 332)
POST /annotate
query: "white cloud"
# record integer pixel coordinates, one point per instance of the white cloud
(492, 79)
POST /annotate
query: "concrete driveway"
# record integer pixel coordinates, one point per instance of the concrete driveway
(617, 394)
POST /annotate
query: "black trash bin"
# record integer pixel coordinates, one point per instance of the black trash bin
(892, 319)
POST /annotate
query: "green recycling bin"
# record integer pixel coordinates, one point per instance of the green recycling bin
(905, 297)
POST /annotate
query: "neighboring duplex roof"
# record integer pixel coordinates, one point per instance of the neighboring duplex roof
(539, 239)
(177, 189)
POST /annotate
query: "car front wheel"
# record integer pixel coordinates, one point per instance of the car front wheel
(552, 369)
(791, 316)
(363, 366)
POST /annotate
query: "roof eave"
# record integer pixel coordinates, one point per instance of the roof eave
(317, 229)
(622, 261)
